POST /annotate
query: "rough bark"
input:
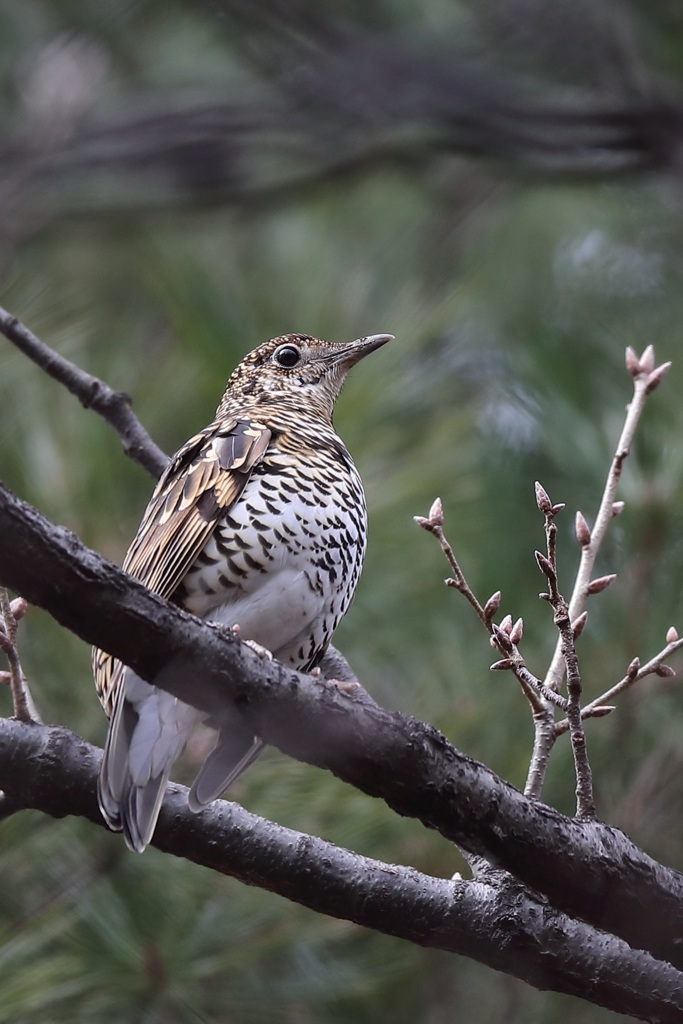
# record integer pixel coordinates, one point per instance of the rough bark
(585, 869)
(492, 919)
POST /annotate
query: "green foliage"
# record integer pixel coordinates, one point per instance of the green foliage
(511, 305)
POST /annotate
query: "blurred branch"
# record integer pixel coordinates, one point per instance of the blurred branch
(347, 100)
(92, 393)
(585, 869)
(490, 919)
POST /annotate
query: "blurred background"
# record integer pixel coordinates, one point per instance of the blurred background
(498, 185)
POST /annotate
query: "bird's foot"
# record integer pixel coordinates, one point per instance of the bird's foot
(344, 685)
(259, 650)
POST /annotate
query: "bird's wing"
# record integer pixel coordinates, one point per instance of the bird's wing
(202, 481)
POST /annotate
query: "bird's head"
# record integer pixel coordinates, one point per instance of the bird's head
(296, 371)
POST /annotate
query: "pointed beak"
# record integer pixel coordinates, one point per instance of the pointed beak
(352, 353)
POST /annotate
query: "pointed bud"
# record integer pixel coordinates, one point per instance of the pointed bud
(665, 671)
(556, 509)
(502, 639)
(671, 635)
(617, 508)
(583, 533)
(517, 632)
(647, 360)
(544, 597)
(499, 666)
(602, 709)
(542, 500)
(492, 605)
(544, 565)
(506, 624)
(632, 362)
(633, 669)
(656, 377)
(436, 512)
(579, 624)
(601, 583)
(19, 608)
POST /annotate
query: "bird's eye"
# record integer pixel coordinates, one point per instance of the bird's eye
(287, 356)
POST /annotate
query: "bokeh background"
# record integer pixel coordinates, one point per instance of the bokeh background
(495, 184)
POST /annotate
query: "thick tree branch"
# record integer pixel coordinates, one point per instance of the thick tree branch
(92, 393)
(586, 869)
(491, 919)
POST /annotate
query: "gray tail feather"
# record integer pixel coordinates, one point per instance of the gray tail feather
(126, 807)
(140, 806)
(232, 755)
(115, 762)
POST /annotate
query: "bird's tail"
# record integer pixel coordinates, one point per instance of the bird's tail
(236, 748)
(148, 731)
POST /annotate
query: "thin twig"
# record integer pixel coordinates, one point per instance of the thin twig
(599, 707)
(11, 612)
(585, 805)
(504, 637)
(92, 393)
(433, 523)
(645, 379)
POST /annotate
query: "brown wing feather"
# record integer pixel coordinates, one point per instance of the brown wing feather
(202, 481)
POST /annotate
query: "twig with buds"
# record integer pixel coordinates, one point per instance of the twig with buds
(570, 618)
(505, 636)
(10, 614)
(585, 805)
(433, 523)
(646, 377)
(656, 666)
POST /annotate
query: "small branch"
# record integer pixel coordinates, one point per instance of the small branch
(92, 393)
(585, 805)
(11, 612)
(600, 707)
(645, 379)
(544, 741)
(504, 637)
(433, 524)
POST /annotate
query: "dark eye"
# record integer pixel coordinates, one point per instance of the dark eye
(287, 356)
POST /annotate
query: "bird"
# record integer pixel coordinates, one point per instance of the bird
(258, 522)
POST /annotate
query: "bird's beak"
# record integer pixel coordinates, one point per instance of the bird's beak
(352, 353)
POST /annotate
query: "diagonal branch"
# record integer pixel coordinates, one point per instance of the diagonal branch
(586, 869)
(92, 393)
(493, 920)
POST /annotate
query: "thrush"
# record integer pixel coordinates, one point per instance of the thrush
(259, 521)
